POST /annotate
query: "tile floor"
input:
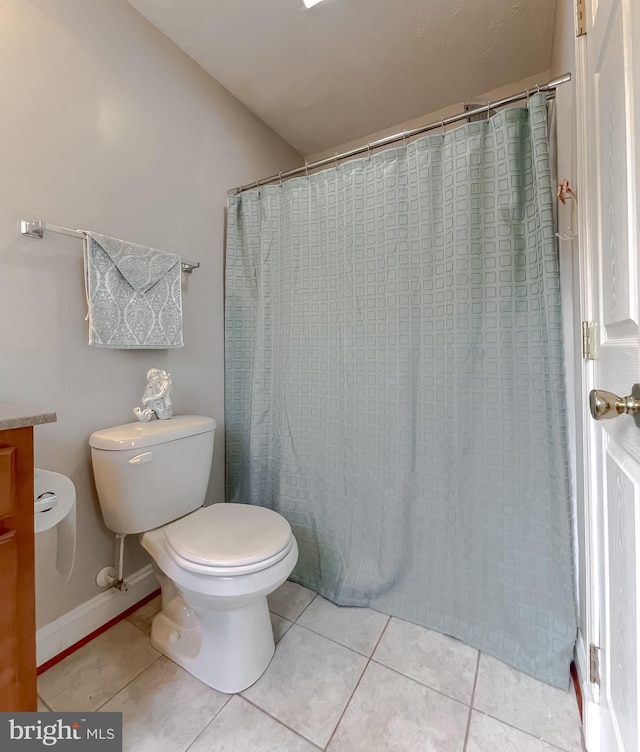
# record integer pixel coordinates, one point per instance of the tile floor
(342, 679)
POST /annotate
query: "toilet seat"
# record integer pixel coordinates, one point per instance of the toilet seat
(228, 539)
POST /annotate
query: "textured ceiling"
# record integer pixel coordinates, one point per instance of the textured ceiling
(348, 68)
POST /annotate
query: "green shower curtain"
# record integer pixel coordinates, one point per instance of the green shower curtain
(394, 384)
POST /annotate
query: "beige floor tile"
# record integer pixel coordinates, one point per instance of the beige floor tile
(164, 709)
(488, 735)
(143, 617)
(355, 628)
(515, 698)
(280, 626)
(434, 659)
(94, 673)
(308, 683)
(240, 727)
(290, 600)
(391, 713)
(42, 706)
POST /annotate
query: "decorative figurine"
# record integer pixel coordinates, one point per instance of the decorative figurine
(156, 399)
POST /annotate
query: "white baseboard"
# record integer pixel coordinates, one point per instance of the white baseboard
(54, 638)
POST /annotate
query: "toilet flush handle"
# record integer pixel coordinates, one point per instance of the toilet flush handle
(139, 459)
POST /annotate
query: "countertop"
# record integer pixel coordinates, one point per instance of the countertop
(13, 416)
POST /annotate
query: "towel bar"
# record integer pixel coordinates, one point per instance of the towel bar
(36, 230)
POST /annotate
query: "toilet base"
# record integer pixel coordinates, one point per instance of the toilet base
(227, 649)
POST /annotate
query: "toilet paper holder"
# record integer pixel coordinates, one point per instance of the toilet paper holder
(54, 507)
(45, 502)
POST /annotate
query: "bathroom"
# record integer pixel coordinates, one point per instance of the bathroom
(107, 125)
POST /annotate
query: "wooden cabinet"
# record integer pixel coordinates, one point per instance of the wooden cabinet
(17, 572)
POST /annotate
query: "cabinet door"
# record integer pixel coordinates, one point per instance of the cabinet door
(17, 575)
(9, 679)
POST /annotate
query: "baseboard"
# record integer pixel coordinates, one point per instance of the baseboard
(72, 627)
(577, 688)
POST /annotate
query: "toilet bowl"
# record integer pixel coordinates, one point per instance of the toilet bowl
(215, 565)
(215, 618)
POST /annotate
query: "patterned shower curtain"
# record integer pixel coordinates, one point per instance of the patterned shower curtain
(394, 384)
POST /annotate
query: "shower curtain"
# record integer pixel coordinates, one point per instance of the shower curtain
(394, 384)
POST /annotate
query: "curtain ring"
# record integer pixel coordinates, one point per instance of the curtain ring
(404, 139)
(369, 150)
(444, 127)
(488, 110)
(306, 169)
(280, 177)
(337, 160)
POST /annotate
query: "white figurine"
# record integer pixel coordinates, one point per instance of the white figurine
(156, 399)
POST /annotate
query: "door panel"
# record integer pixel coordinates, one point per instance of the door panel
(608, 65)
(610, 108)
(621, 612)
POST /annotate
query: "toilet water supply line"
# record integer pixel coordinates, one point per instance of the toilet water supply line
(105, 577)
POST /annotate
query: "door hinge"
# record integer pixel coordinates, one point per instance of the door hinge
(589, 340)
(581, 18)
(594, 664)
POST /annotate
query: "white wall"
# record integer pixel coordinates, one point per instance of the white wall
(107, 126)
(434, 116)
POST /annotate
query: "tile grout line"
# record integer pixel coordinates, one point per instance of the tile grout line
(117, 692)
(44, 703)
(384, 629)
(506, 723)
(335, 642)
(142, 629)
(421, 683)
(471, 700)
(288, 618)
(150, 620)
(215, 715)
(371, 659)
(278, 721)
(295, 621)
(522, 731)
(344, 710)
(161, 655)
(355, 689)
(126, 619)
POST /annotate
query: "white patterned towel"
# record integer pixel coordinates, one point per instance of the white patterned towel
(134, 295)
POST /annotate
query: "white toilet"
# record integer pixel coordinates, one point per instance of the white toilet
(216, 565)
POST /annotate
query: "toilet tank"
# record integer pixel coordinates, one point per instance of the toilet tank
(148, 474)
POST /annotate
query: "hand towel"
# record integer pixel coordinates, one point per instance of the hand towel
(134, 295)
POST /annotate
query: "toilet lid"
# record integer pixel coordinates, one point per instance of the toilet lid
(229, 535)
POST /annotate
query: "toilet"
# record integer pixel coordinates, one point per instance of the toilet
(216, 564)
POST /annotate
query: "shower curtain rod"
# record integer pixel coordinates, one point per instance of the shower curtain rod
(550, 86)
(37, 229)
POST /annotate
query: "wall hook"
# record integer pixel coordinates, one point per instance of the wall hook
(565, 193)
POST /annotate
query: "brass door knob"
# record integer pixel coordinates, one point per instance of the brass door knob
(605, 405)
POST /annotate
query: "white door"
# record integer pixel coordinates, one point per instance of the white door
(609, 123)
